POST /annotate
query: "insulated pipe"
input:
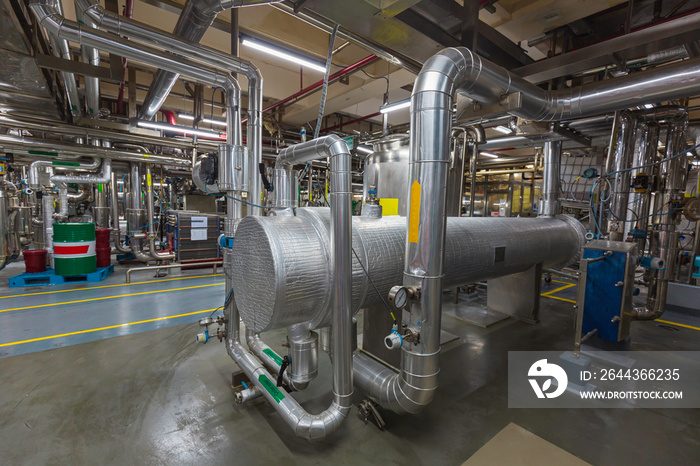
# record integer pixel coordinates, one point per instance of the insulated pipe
(33, 178)
(618, 161)
(50, 148)
(303, 423)
(103, 177)
(62, 28)
(114, 207)
(136, 214)
(551, 179)
(194, 20)
(478, 135)
(486, 83)
(172, 43)
(52, 126)
(47, 211)
(149, 218)
(265, 354)
(62, 50)
(91, 56)
(62, 180)
(4, 229)
(646, 141)
(673, 174)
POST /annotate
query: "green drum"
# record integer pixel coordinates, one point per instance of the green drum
(74, 248)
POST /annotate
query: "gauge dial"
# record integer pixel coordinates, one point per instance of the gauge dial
(398, 296)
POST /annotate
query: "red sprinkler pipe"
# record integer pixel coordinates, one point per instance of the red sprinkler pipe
(345, 123)
(338, 74)
(170, 116)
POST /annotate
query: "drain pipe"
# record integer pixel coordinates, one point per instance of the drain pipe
(305, 424)
(149, 35)
(149, 218)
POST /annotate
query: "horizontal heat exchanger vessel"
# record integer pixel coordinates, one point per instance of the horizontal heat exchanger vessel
(283, 273)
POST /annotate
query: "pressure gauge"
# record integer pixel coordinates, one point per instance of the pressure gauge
(398, 296)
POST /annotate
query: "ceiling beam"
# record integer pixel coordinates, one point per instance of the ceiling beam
(636, 44)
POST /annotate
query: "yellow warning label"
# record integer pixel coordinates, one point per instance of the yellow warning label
(414, 213)
(148, 179)
(389, 206)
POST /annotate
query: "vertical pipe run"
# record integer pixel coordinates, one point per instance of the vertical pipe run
(114, 208)
(646, 141)
(551, 179)
(618, 162)
(673, 174)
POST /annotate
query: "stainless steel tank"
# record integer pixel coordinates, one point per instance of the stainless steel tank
(386, 171)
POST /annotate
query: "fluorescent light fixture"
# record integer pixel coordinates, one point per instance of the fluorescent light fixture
(178, 129)
(364, 150)
(503, 129)
(689, 154)
(648, 106)
(489, 154)
(208, 121)
(283, 54)
(395, 106)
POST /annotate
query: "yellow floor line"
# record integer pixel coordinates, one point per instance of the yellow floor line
(560, 299)
(561, 288)
(105, 328)
(108, 297)
(109, 286)
(676, 323)
(559, 281)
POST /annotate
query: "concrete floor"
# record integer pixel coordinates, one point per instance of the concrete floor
(157, 397)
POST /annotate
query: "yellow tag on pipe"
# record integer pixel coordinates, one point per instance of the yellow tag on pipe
(414, 213)
(390, 206)
(148, 179)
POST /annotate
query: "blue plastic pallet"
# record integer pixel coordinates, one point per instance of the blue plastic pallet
(49, 277)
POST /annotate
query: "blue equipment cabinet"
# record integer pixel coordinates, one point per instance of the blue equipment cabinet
(606, 285)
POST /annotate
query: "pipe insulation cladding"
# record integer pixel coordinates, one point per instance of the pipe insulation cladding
(283, 269)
